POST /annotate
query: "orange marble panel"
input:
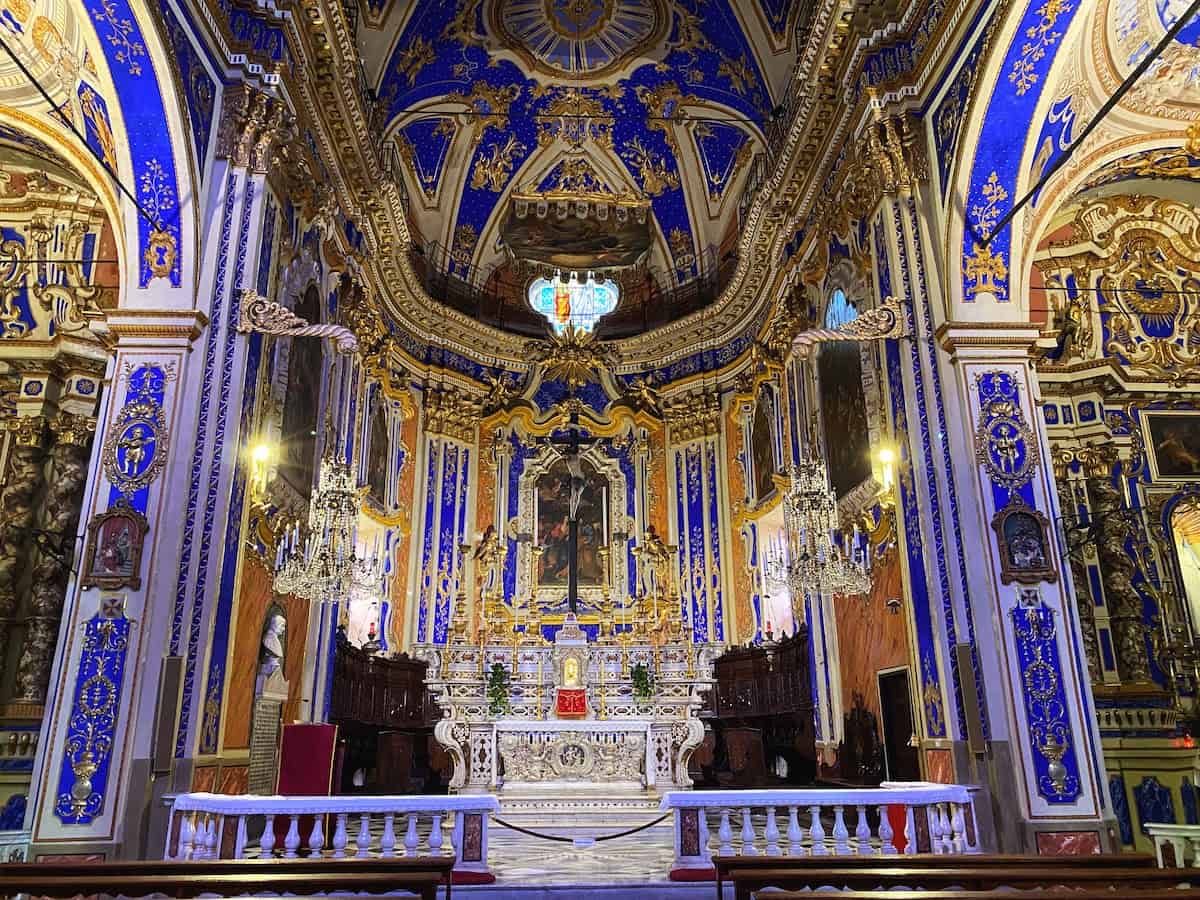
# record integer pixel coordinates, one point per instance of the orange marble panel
(204, 778)
(254, 598)
(404, 494)
(869, 637)
(939, 766)
(234, 780)
(742, 622)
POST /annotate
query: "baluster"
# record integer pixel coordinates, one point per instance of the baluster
(410, 836)
(435, 835)
(886, 847)
(958, 825)
(387, 843)
(862, 832)
(340, 838)
(817, 833)
(943, 827)
(214, 831)
(705, 836)
(910, 830)
(795, 834)
(266, 841)
(725, 834)
(291, 840)
(362, 843)
(841, 837)
(316, 840)
(239, 849)
(748, 848)
(772, 833)
(186, 832)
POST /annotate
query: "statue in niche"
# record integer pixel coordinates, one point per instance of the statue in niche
(272, 654)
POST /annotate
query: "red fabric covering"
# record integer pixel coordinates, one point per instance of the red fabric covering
(305, 769)
(709, 874)
(571, 704)
(899, 822)
(461, 876)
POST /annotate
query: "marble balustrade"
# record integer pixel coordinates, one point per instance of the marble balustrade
(938, 818)
(1183, 841)
(219, 826)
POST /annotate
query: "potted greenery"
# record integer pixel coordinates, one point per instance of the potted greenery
(643, 683)
(497, 690)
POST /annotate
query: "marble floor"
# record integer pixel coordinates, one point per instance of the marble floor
(633, 866)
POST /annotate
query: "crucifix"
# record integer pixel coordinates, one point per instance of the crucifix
(573, 442)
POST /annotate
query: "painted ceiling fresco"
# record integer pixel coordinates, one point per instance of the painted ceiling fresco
(619, 101)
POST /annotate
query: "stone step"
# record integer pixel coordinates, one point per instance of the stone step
(586, 811)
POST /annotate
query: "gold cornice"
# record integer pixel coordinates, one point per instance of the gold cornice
(179, 324)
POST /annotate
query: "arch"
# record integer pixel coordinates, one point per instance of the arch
(125, 126)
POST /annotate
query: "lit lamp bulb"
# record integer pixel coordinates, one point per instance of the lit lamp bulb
(260, 458)
(887, 460)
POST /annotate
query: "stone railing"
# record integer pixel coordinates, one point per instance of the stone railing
(1175, 845)
(931, 818)
(219, 826)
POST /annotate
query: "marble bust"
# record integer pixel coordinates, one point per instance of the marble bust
(271, 653)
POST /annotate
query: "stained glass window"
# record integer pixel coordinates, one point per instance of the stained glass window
(840, 310)
(573, 302)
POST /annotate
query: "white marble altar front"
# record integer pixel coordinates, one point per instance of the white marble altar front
(626, 750)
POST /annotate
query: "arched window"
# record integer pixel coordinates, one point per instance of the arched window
(840, 310)
(579, 304)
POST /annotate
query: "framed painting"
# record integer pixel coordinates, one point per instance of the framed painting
(113, 556)
(1024, 537)
(844, 416)
(1173, 445)
(762, 446)
(553, 500)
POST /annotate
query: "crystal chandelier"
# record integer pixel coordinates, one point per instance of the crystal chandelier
(327, 564)
(816, 562)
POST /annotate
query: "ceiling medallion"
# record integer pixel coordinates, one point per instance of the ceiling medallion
(578, 38)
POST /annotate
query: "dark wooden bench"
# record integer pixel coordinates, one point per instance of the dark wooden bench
(418, 875)
(936, 877)
(724, 864)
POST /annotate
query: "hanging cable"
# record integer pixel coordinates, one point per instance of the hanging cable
(1061, 160)
(75, 131)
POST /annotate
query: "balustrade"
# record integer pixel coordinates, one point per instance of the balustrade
(219, 826)
(1180, 843)
(938, 818)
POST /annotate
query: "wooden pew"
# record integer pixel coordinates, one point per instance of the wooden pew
(724, 864)
(421, 876)
(936, 877)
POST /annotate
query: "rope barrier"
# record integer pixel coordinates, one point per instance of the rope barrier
(569, 840)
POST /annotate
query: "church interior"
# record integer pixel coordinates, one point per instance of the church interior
(611, 443)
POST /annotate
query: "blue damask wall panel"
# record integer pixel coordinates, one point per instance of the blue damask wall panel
(1154, 803)
(1120, 805)
(1053, 744)
(95, 708)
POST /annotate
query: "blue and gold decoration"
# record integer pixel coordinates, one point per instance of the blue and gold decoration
(87, 751)
(136, 447)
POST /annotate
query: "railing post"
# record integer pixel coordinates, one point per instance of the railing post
(340, 838)
(747, 834)
(291, 841)
(817, 832)
(266, 842)
(316, 840)
(772, 833)
(725, 834)
(795, 833)
(387, 843)
(362, 843)
(862, 832)
(435, 835)
(886, 846)
(410, 836)
(841, 837)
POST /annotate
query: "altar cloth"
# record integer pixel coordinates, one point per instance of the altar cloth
(571, 703)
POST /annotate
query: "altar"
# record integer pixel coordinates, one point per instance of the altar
(504, 731)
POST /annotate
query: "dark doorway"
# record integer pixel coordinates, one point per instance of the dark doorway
(895, 702)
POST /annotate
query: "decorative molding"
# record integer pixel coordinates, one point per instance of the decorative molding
(258, 314)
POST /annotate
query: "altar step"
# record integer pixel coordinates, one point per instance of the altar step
(586, 811)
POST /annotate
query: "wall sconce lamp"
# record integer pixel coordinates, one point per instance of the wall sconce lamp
(887, 468)
(261, 456)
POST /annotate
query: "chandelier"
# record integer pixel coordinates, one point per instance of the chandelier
(817, 563)
(326, 564)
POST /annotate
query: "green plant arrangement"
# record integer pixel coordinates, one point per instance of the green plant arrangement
(643, 683)
(497, 690)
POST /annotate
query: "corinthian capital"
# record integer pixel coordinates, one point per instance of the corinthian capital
(253, 126)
